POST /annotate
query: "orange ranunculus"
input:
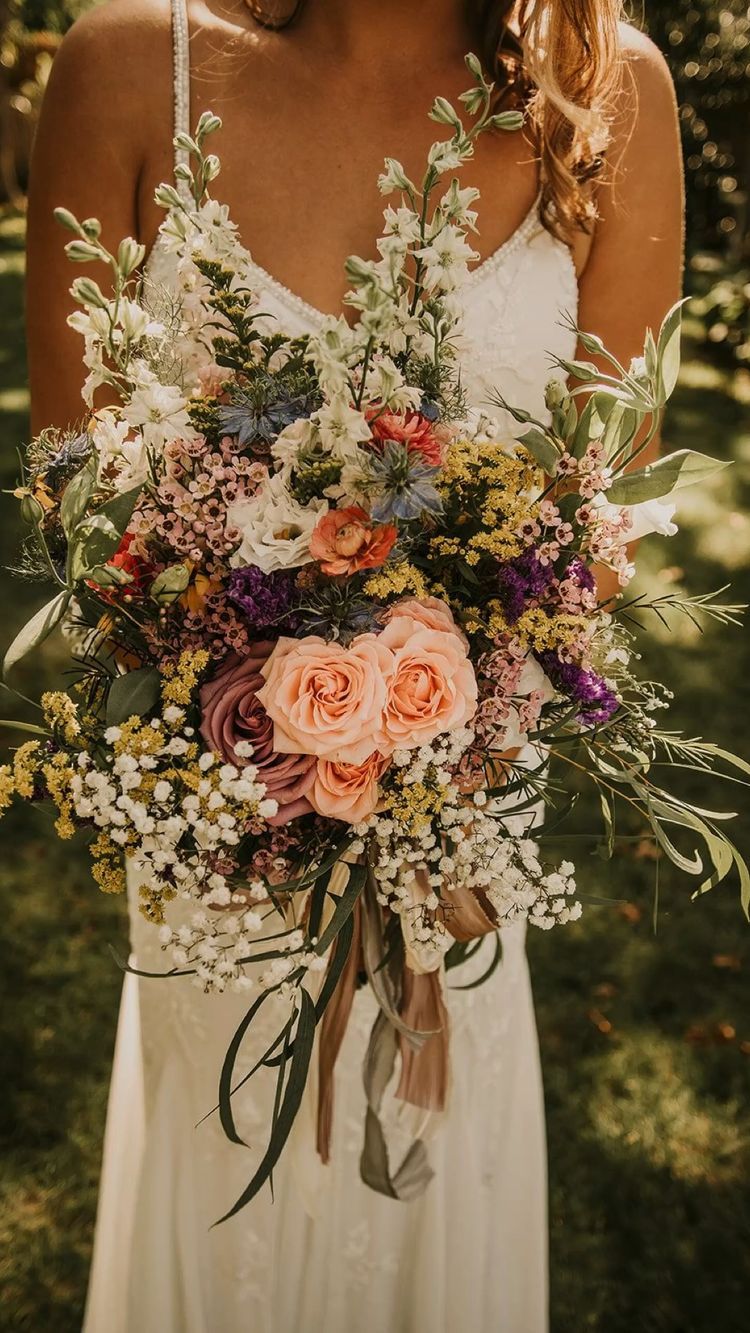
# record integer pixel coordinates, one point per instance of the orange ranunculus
(346, 540)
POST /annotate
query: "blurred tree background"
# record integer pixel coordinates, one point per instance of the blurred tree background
(645, 1035)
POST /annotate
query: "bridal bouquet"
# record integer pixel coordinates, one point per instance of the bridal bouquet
(334, 636)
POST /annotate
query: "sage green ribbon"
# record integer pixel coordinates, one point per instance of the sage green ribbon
(415, 1173)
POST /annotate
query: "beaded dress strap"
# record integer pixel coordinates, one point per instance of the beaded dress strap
(181, 73)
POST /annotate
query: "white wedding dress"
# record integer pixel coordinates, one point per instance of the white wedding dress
(327, 1255)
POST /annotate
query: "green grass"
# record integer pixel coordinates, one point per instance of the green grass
(645, 1038)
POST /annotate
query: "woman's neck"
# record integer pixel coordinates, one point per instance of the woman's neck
(382, 32)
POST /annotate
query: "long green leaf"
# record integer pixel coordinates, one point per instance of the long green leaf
(226, 1078)
(497, 956)
(668, 351)
(671, 473)
(36, 630)
(344, 906)
(29, 727)
(289, 1106)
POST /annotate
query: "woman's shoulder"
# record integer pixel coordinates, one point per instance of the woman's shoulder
(116, 53)
(647, 77)
(112, 77)
(117, 28)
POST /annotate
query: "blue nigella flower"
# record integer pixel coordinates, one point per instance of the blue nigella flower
(402, 484)
(72, 454)
(262, 420)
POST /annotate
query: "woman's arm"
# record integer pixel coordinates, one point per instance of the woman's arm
(634, 271)
(109, 96)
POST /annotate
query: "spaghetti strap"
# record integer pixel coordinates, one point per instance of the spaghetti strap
(181, 75)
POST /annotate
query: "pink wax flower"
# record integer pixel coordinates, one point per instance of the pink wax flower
(232, 712)
(346, 540)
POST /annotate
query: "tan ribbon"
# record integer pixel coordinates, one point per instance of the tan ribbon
(425, 1065)
(332, 1030)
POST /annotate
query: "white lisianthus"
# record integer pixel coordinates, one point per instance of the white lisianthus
(647, 517)
(159, 410)
(275, 530)
(123, 460)
(301, 434)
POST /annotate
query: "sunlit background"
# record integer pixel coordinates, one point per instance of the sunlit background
(645, 1033)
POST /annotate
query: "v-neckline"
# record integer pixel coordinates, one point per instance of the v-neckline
(292, 299)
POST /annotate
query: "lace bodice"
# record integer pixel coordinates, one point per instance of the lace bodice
(515, 308)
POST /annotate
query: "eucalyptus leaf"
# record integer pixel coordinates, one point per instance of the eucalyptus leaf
(36, 630)
(672, 473)
(542, 449)
(133, 695)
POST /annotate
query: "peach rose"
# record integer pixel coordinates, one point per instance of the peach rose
(325, 699)
(430, 612)
(346, 540)
(347, 791)
(432, 688)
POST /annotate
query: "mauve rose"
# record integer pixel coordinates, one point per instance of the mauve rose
(231, 712)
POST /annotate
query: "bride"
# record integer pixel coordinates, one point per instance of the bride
(581, 216)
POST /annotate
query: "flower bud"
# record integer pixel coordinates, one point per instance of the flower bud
(167, 196)
(444, 113)
(129, 255)
(31, 510)
(87, 292)
(82, 252)
(555, 394)
(67, 220)
(170, 584)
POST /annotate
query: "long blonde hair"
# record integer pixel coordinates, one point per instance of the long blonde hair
(560, 58)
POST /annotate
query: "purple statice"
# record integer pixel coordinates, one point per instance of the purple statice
(579, 571)
(597, 700)
(266, 600)
(523, 580)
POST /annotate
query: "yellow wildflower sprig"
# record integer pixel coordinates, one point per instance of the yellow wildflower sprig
(181, 678)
